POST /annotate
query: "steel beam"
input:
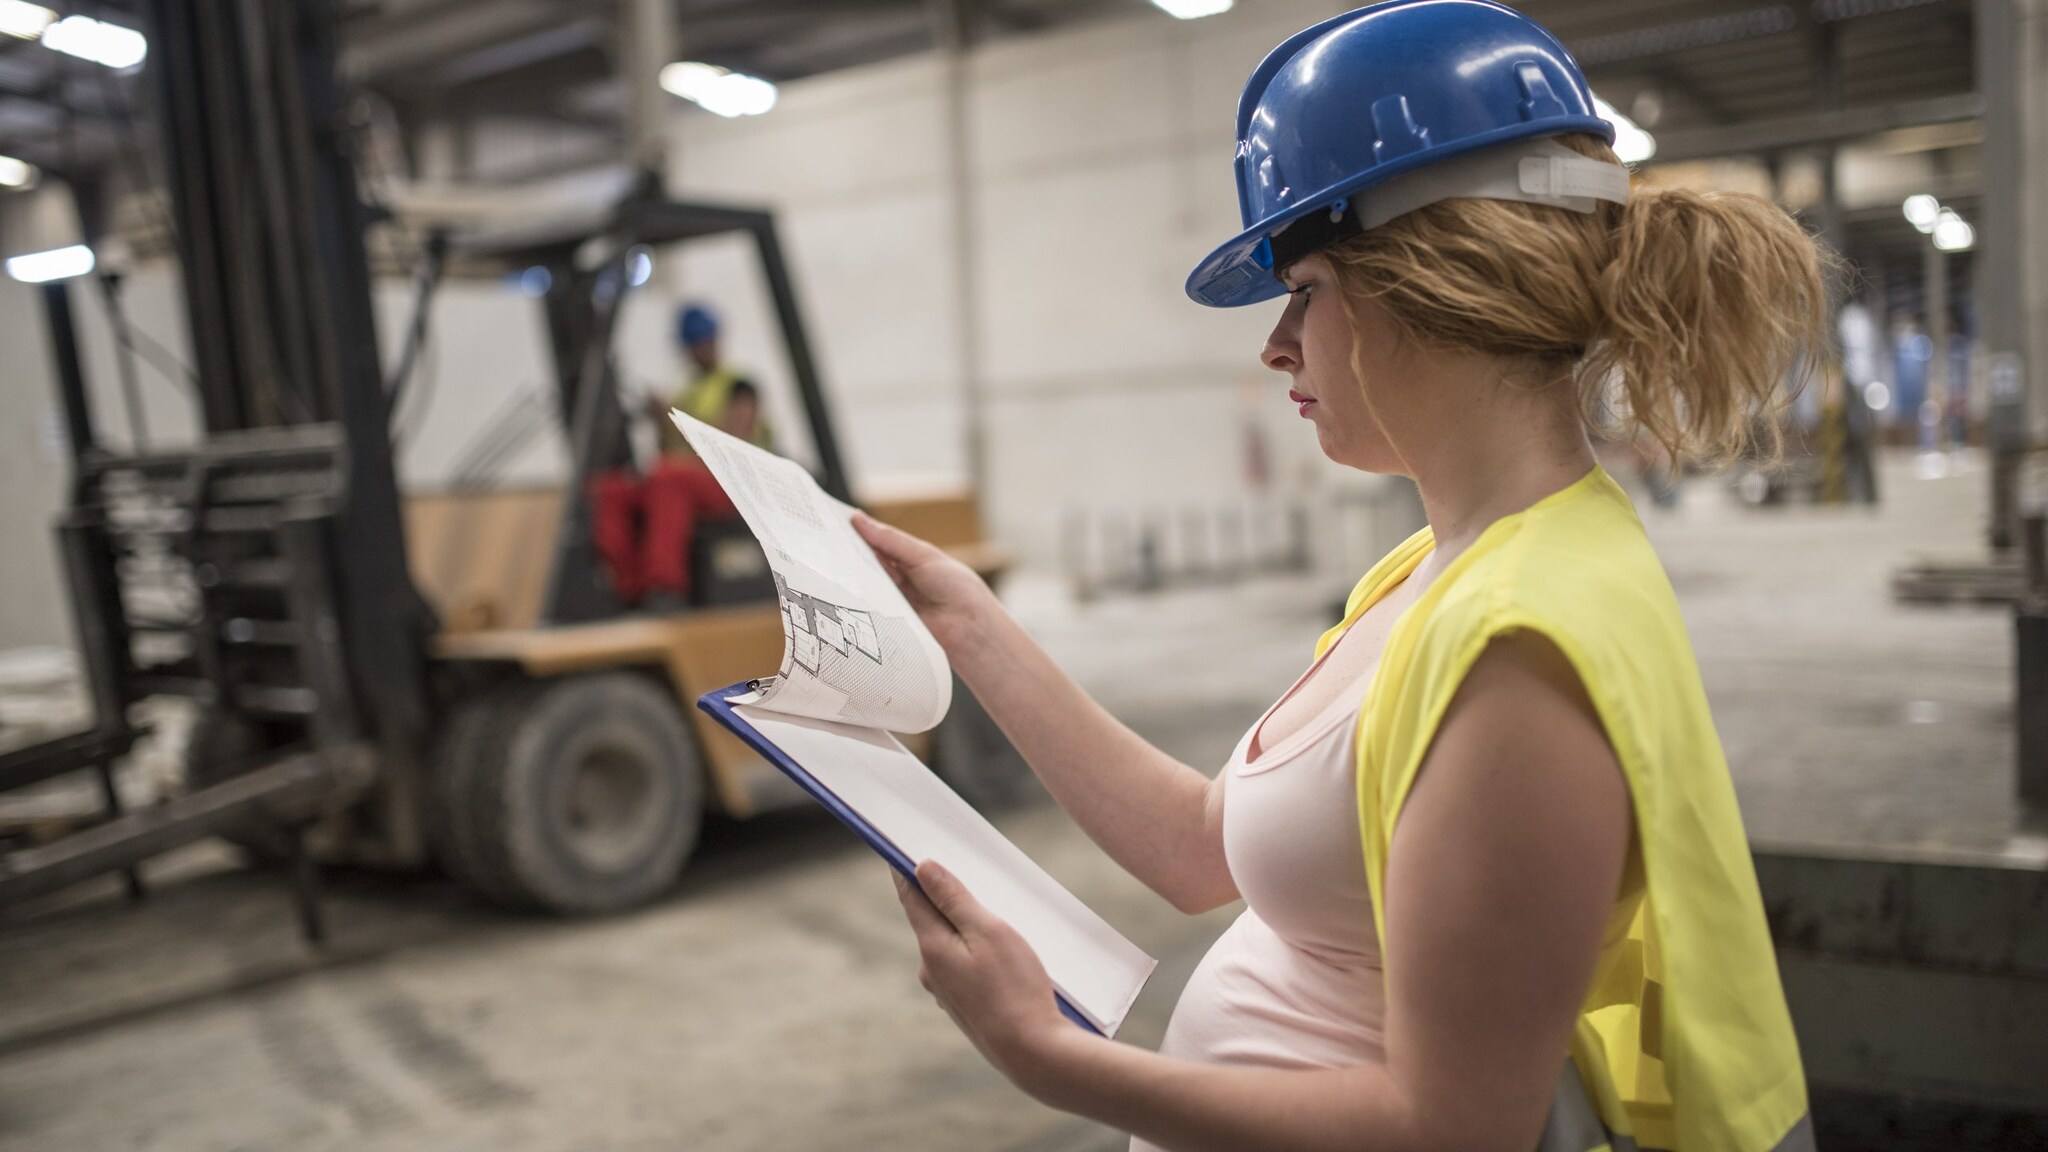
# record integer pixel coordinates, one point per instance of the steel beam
(1814, 128)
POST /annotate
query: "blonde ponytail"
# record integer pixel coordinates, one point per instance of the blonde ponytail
(1690, 316)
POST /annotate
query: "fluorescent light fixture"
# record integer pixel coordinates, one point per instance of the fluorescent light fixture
(97, 41)
(1922, 211)
(24, 21)
(1952, 233)
(56, 264)
(1632, 145)
(1193, 9)
(16, 173)
(718, 90)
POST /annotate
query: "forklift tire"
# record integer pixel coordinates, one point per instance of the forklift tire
(575, 796)
(971, 754)
(221, 747)
(458, 749)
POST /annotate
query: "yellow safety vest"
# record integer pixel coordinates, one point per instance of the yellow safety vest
(1685, 1043)
(705, 398)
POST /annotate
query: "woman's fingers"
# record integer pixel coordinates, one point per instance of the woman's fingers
(951, 899)
(932, 928)
(893, 543)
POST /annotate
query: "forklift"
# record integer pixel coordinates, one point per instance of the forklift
(441, 680)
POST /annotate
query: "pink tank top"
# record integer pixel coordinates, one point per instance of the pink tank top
(1295, 982)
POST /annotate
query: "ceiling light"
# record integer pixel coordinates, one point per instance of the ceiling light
(1632, 145)
(97, 41)
(56, 264)
(1922, 211)
(718, 90)
(23, 20)
(1952, 233)
(1192, 9)
(16, 173)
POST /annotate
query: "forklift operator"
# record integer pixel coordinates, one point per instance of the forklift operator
(644, 527)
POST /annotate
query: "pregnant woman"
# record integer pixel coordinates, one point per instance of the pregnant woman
(1498, 895)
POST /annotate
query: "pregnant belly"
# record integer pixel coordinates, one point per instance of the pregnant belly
(1257, 999)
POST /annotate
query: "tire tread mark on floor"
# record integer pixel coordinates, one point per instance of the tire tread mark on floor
(307, 1057)
(450, 1067)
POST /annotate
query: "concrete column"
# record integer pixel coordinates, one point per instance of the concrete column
(1935, 292)
(954, 37)
(646, 39)
(2012, 242)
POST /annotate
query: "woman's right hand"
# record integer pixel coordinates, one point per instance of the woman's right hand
(953, 602)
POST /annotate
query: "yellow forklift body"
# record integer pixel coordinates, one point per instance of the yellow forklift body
(482, 559)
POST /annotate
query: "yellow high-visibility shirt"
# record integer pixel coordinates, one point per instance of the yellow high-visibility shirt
(1685, 1043)
(705, 398)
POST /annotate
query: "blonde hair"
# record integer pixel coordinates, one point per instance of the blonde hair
(1681, 314)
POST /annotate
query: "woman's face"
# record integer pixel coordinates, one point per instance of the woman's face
(1312, 343)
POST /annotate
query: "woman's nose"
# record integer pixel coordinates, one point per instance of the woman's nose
(1283, 348)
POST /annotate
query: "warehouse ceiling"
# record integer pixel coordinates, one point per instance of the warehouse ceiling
(1709, 77)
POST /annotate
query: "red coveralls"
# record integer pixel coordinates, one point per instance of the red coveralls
(643, 528)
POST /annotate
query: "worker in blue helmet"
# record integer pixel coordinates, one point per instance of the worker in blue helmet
(643, 526)
(1497, 891)
(715, 393)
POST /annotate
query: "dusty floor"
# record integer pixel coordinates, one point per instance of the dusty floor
(770, 1003)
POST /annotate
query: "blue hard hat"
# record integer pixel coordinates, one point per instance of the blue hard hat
(1375, 93)
(695, 323)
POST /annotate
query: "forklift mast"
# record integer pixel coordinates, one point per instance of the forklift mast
(269, 232)
(277, 538)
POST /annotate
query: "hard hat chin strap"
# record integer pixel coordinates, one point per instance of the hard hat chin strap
(1530, 171)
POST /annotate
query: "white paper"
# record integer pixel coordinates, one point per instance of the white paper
(1091, 964)
(853, 647)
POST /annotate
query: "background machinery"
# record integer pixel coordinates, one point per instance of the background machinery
(382, 679)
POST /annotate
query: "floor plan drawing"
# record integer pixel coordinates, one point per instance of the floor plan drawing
(817, 626)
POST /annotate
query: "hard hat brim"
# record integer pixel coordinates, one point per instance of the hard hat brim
(1232, 275)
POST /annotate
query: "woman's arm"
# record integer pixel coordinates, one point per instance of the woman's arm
(1158, 818)
(1503, 871)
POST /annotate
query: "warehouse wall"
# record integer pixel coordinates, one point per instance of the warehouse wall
(31, 476)
(1099, 171)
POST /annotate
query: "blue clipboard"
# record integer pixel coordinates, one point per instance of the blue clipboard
(719, 707)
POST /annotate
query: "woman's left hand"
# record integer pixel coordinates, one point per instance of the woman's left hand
(986, 978)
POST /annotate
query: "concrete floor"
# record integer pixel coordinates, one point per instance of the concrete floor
(770, 1003)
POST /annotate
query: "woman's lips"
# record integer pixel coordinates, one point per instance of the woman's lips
(1306, 402)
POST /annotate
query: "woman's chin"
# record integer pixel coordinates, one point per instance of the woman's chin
(1375, 458)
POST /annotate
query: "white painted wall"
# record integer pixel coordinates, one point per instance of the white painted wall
(32, 606)
(1100, 168)
(1100, 163)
